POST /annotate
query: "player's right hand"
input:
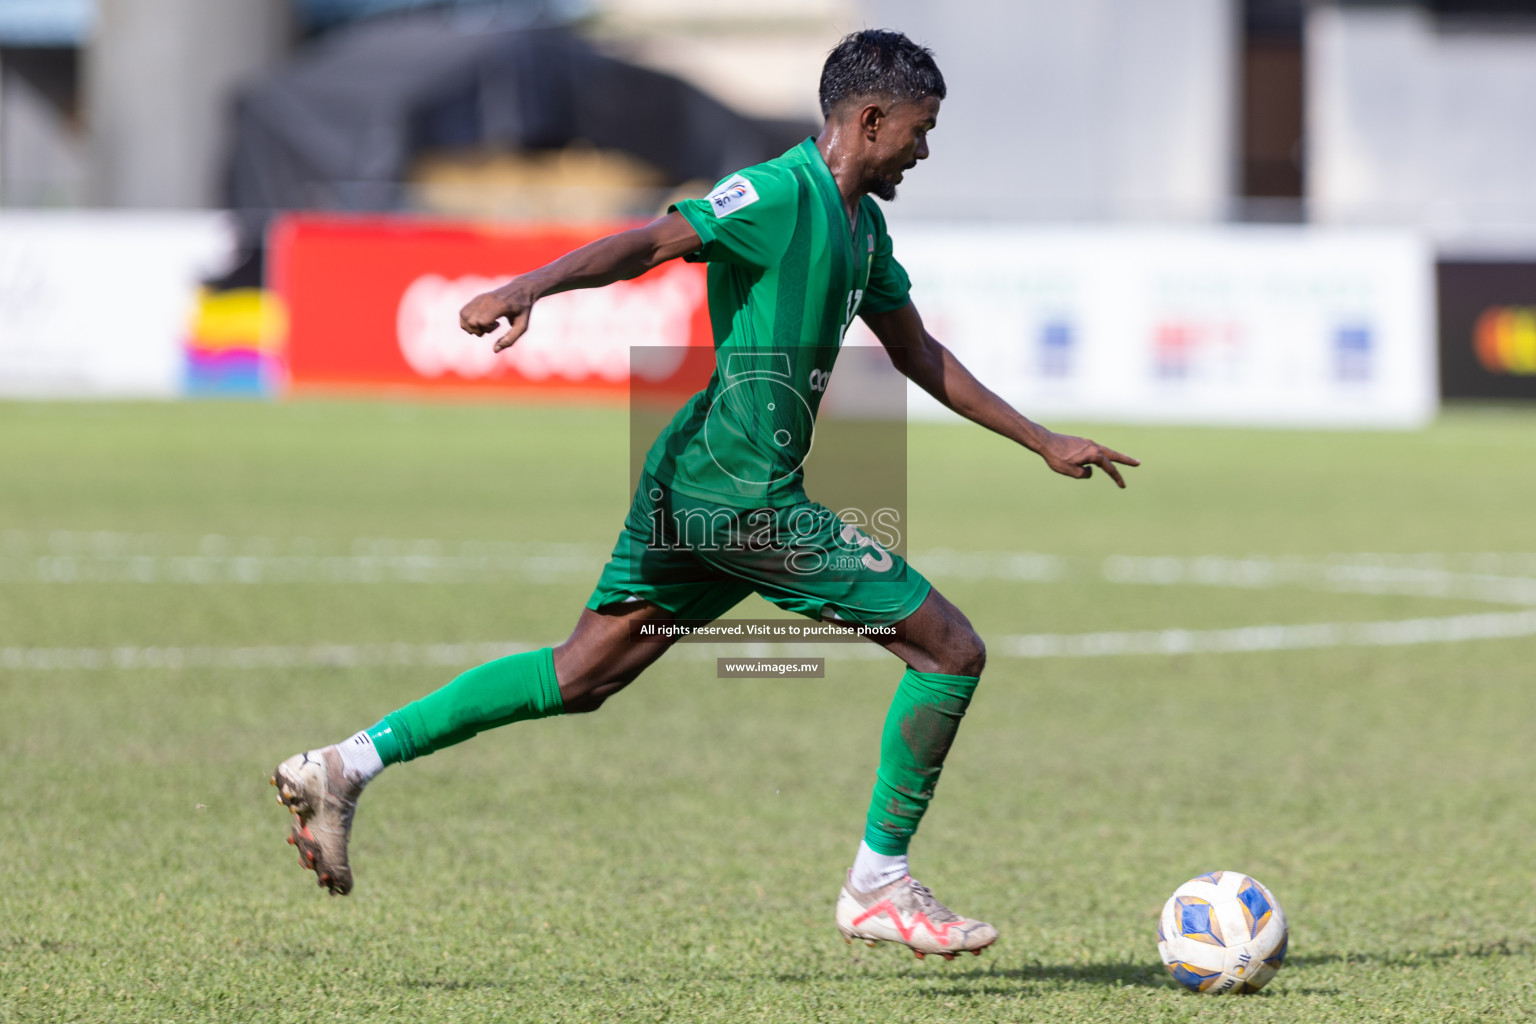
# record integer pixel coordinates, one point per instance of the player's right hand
(482, 314)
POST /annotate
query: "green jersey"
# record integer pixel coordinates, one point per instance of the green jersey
(788, 272)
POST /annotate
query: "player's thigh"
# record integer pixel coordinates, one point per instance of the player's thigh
(644, 584)
(615, 641)
(649, 567)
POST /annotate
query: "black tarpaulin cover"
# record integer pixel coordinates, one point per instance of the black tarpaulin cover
(336, 128)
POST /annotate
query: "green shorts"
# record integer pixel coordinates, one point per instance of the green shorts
(698, 560)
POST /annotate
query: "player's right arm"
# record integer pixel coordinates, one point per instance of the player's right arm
(617, 257)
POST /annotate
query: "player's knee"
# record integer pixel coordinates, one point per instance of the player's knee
(583, 704)
(952, 646)
(580, 700)
(968, 653)
(961, 651)
(963, 655)
(588, 691)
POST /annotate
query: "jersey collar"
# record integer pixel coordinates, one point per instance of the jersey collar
(809, 154)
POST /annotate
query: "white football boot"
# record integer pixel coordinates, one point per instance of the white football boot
(315, 788)
(906, 912)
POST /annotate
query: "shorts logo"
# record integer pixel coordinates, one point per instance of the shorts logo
(732, 195)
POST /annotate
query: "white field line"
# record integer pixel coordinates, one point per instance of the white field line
(1397, 633)
(108, 557)
(270, 657)
(104, 557)
(1410, 575)
(1247, 639)
(89, 557)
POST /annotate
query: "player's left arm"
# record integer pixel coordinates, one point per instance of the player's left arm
(934, 368)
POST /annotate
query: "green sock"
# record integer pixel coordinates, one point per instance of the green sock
(924, 715)
(512, 689)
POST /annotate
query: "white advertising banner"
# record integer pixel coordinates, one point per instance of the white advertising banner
(97, 304)
(1285, 326)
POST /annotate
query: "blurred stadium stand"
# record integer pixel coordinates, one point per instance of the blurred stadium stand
(42, 141)
(1337, 112)
(1273, 106)
(1422, 115)
(338, 127)
(1092, 110)
(1412, 116)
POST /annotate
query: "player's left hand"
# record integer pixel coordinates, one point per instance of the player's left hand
(1076, 457)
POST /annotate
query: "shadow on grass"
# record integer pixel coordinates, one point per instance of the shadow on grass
(452, 984)
(1413, 957)
(1037, 981)
(1019, 981)
(986, 980)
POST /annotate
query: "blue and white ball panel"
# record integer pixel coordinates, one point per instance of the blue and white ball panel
(1256, 904)
(1277, 958)
(1222, 932)
(1194, 978)
(1197, 921)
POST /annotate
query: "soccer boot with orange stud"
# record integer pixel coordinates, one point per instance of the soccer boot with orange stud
(906, 912)
(315, 788)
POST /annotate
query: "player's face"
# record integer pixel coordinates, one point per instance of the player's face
(902, 142)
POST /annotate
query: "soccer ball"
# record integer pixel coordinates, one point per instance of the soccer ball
(1222, 932)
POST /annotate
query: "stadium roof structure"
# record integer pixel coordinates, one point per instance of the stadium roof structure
(323, 14)
(337, 127)
(46, 22)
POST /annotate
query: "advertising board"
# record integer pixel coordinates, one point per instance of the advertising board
(1237, 325)
(1246, 325)
(97, 304)
(1487, 329)
(374, 304)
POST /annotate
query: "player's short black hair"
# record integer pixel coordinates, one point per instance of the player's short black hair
(876, 63)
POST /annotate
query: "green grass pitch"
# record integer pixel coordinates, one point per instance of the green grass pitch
(675, 856)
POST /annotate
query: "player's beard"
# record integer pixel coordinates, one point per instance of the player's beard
(884, 189)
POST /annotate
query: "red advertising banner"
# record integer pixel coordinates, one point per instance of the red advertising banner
(373, 303)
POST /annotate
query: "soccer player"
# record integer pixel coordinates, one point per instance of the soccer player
(796, 248)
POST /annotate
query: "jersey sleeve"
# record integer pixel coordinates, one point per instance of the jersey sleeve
(748, 219)
(889, 287)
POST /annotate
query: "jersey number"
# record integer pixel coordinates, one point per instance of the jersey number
(877, 559)
(855, 297)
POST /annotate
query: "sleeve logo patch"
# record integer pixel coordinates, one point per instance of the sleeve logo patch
(732, 195)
